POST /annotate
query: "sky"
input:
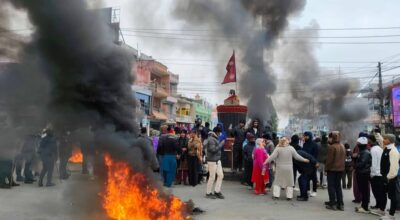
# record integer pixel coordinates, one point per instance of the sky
(200, 73)
(143, 23)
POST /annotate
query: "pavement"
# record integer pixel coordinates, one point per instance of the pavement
(77, 199)
(241, 203)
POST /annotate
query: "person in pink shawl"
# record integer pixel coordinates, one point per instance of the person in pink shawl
(260, 175)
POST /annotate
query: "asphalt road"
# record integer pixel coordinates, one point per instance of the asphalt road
(68, 200)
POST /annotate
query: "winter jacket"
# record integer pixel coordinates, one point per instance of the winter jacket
(195, 147)
(223, 135)
(336, 156)
(349, 159)
(213, 147)
(296, 146)
(322, 152)
(257, 134)
(48, 147)
(305, 168)
(248, 151)
(183, 143)
(168, 145)
(240, 135)
(376, 154)
(204, 133)
(364, 162)
(147, 139)
(310, 146)
(390, 162)
(269, 147)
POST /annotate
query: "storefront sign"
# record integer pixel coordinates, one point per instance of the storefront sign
(396, 106)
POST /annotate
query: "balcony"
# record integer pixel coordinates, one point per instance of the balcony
(158, 114)
(160, 90)
(159, 69)
(184, 119)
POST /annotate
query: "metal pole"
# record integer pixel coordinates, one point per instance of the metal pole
(381, 112)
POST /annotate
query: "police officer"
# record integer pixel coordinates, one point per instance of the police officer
(27, 155)
(48, 155)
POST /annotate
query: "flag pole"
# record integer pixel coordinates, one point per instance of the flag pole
(236, 75)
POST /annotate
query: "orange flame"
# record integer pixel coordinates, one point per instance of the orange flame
(77, 156)
(129, 196)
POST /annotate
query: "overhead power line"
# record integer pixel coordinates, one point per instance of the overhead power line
(305, 29)
(283, 37)
(238, 41)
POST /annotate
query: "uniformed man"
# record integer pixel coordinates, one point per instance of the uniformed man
(48, 154)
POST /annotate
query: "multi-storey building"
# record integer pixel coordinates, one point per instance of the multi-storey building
(155, 76)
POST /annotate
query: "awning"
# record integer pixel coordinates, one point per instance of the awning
(159, 115)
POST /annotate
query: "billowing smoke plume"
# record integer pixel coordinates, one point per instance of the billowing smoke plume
(73, 76)
(9, 41)
(309, 91)
(252, 27)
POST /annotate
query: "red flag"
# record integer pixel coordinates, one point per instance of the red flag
(231, 70)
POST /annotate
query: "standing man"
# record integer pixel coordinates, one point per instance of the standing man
(213, 148)
(322, 152)
(363, 167)
(27, 155)
(255, 129)
(306, 171)
(248, 159)
(311, 148)
(204, 131)
(389, 169)
(48, 155)
(168, 149)
(182, 162)
(270, 147)
(334, 167)
(239, 135)
(150, 148)
(65, 152)
(376, 177)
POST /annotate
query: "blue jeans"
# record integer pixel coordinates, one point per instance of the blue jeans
(168, 167)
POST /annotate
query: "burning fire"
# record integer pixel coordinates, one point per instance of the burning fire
(129, 196)
(77, 156)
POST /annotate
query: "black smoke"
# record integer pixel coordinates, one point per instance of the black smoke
(252, 28)
(72, 75)
(312, 91)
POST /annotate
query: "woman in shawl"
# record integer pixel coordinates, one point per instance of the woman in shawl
(260, 174)
(282, 156)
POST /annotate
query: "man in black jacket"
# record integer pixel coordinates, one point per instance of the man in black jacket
(389, 171)
(311, 148)
(295, 140)
(248, 158)
(240, 135)
(48, 154)
(169, 150)
(363, 170)
(306, 171)
(255, 128)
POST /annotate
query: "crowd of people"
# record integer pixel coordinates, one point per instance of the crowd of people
(41, 154)
(267, 163)
(263, 161)
(324, 161)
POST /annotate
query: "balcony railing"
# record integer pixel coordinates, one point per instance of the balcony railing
(184, 119)
(160, 90)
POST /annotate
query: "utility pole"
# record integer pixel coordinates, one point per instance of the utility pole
(381, 112)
